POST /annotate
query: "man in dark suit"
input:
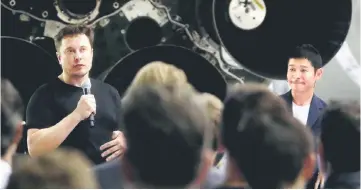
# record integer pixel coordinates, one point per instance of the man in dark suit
(340, 139)
(304, 70)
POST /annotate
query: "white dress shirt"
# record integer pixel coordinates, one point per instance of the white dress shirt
(301, 112)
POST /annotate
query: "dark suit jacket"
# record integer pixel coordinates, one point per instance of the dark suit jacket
(109, 175)
(314, 115)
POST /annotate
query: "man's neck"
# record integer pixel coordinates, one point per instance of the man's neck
(74, 81)
(302, 98)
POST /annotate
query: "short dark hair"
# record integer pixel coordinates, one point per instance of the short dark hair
(165, 129)
(267, 143)
(340, 135)
(72, 30)
(309, 52)
(12, 111)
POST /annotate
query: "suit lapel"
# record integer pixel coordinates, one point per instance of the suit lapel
(315, 109)
(288, 98)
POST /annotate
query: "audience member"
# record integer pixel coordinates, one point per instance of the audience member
(12, 110)
(11, 128)
(340, 139)
(267, 147)
(60, 169)
(168, 138)
(217, 173)
(156, 72)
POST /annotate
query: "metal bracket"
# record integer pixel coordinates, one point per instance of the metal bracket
(51, 28)
(138, 8)
(70, 20)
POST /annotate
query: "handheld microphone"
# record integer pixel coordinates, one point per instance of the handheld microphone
(86, 90)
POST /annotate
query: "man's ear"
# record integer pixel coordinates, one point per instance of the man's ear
(319, 73)
(92, 53)
(59, 57)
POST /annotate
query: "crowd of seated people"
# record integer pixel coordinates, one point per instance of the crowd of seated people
(178, 137)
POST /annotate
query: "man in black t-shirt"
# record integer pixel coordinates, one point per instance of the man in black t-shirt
(58, 112)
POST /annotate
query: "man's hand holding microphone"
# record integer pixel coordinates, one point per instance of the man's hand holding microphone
(85, 109)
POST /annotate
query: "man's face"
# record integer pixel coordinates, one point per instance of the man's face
(75, 55)
(301, 75)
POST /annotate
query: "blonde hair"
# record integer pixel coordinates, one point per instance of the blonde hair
(158, 72)
(60, 169)
(214, 107)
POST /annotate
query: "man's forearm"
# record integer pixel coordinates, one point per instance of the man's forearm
(41, 141)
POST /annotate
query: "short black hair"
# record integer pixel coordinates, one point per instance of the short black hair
(267, 143)
(166, 130)
(309, 52)
(71, 30)
(12, 111)
(340, 135)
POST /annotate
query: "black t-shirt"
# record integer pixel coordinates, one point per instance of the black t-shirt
(53, 101)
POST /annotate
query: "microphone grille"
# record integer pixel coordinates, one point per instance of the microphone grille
(87, 84)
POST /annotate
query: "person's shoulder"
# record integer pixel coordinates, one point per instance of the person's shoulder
(41, 95)
(102, 85)
(321, 101)
(46, 87)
